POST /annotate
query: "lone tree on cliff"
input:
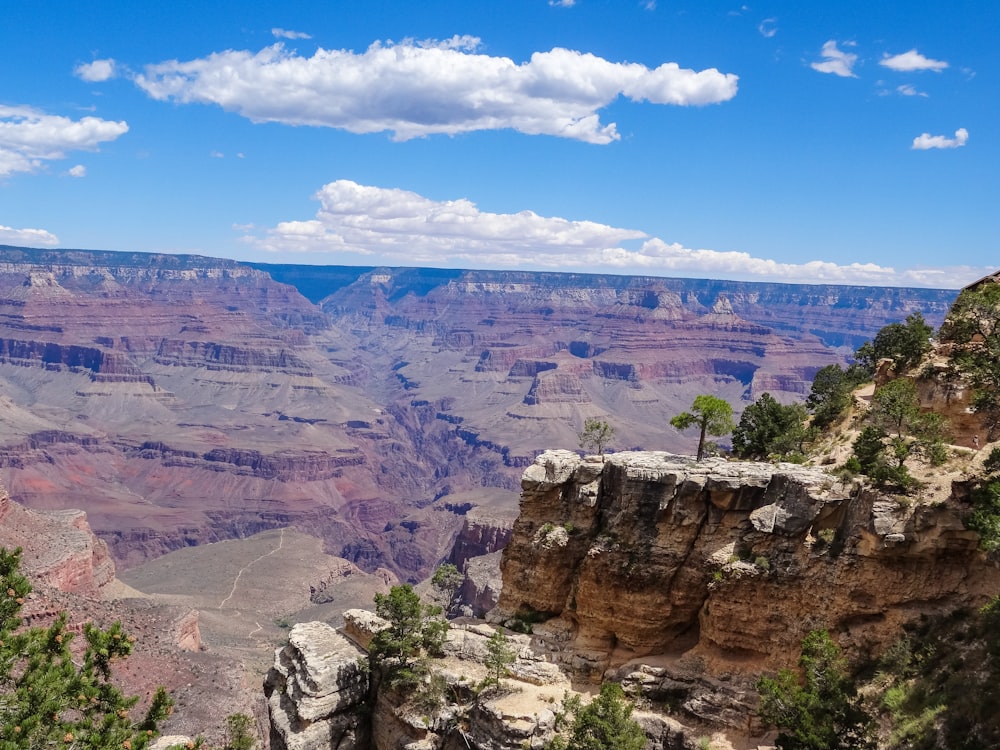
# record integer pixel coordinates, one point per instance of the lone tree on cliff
(713, 416)
(50, 697)
(414, 629)
(499, 657)
(596, 434)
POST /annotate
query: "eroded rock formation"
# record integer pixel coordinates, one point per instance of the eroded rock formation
(652, 553)
(315, 692)
(58, 548)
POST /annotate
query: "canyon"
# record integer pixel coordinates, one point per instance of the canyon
(181, 400)
(259, 449)
(719, 570)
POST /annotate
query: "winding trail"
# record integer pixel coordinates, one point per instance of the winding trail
(245, 568)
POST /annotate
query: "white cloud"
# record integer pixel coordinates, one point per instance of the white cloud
(399, 227)
(910, 61)
(78, 171)
(836, 61)
(409, 227)
(28, 137)
(649, 4)
(96, 71)
(926, 141)
(767, 27)
(562, 3)
(217, 154)
(418, 89)
(909, 90)
(286, 34)
(27, 237)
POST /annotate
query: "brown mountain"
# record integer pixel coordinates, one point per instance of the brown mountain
(182, 399)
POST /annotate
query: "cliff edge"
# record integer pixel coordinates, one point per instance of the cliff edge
(649, 553)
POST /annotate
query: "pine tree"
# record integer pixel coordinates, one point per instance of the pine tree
(711, 415)
(49, 700)
(414, 629)
(499, 656)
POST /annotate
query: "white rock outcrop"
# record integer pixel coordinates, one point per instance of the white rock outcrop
(315, 690)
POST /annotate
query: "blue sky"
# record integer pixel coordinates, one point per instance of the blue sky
(843, 142)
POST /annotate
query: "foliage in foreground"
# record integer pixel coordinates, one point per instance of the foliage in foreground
(897, 431)
(939, 685)
(819, 710)
(985, 516)
(47, 699)
(239, 732)
(414, 631)
(973, 329)
(831, 390)
(500, 655)
(904, 343)
(605, 723)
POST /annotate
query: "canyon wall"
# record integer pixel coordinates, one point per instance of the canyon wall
(58, 548)
(180, 399)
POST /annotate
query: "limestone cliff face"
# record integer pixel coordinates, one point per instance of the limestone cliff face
(652, 553)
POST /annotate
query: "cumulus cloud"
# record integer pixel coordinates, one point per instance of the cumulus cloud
(417, 89)
(910, 61)
(286, 34)
(926, 141)
(398, 227)
(836, 61)
(408, 227)
(28, 138)
(562, 3)
(27, 237)
(78, 171)
(96, 71)
(909, 90)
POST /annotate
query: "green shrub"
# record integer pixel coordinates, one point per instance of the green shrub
(822, 711)
(605, 723)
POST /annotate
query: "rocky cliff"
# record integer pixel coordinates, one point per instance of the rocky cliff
(684, 581)
(58, 548)
(730, 562)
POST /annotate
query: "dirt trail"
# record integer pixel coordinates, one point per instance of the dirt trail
(245, 568)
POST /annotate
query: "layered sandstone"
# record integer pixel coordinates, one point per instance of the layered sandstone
(651, 553)
(58, 548)
(522, 359)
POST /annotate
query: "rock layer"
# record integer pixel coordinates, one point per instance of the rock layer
(180, 399)
(315, 691)
(652, 553)
(58, 548)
